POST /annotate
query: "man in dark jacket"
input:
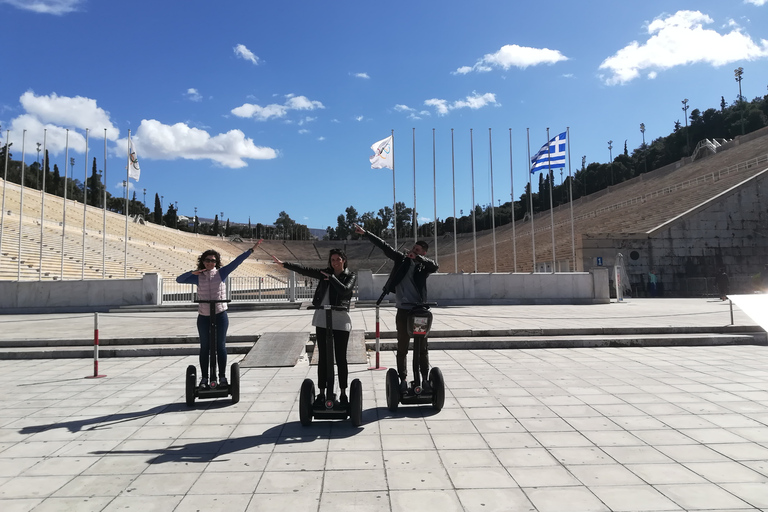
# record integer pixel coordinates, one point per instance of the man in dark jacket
(408, 280)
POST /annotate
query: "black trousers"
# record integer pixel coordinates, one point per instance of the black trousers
(403, 341)
(340, 341)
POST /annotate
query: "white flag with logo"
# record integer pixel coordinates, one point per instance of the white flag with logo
(134, 171)
(383, 156)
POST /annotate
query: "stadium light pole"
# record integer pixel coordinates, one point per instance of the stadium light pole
(610, 156)
(687, 136)
(72, 170)
(145, 199)
(645, 160)
(738, 72)
(38, 156)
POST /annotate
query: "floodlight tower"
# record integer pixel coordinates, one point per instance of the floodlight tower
(687, 136)
(610, 156)
(645, 161)
(739, 72)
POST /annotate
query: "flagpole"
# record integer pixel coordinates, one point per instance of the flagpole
(415, 220)
(394, 196)
(21, 202)
(512, 195)
(493, 211)
(104, 227)
(472, 166)
(64, 218)
(551, 178)
(125, 238)
(85, 204)
(42, 206)
(530, 198)
(570, 191)
(5, 187)
(455, 243)
(434, 188)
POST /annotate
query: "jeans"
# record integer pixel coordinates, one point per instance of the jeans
(403, 341)
(340, 341)
(204, 331)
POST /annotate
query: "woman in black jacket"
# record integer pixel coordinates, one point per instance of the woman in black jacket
(335, 288)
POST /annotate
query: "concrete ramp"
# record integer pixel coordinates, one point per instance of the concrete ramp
(355, 349)
(276, 349)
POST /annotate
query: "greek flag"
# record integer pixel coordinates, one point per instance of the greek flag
(551, 155)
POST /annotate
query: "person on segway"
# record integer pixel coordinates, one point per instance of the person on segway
(335, 287)
(210, 277)
(408, 280)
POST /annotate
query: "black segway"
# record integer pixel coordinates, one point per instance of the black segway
(419, 323)
(331, 408)
(213, 390)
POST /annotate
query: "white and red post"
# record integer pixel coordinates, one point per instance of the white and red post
(95, 348)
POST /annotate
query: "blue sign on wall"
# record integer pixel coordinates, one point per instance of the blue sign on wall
(599, 261)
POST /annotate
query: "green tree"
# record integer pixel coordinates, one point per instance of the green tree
(158, 212)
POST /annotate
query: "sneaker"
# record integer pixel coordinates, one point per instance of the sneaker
(320, 400)
(204, 382)
(425, 387)
(343, 400)
(403, 386)
(223, 382)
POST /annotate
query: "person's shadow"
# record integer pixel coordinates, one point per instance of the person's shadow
(208, 451)
(101, 422)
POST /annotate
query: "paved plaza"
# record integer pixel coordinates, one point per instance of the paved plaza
(578, 429)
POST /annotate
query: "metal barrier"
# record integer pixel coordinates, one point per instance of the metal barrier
(246, 289)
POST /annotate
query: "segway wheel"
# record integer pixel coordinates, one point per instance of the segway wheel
(393, 389)
(356, 403)
(234, 382)
(190, 385)
(438, 388)
(306, 397)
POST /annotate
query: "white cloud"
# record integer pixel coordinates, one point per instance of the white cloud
(51, 116)
(303, 131)
(362, 75)
(193, 95)
(475, 101)
(321, 138)
(57, 7)
(359, 118)
(244, 53)
(155, 140)
(756, 2)
(403, 108)
(677, 40)
(274, 110)
(512, 55)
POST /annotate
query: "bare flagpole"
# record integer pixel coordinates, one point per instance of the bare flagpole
(415, 220)
(570, 192)
(455, 243)
(394, 196)
(512, 195)
(21, 203)
(493, 211)
(42, 205)
(434, 188)
(530, 198)
(127, 174)
(85, 204)
(64, 217)
(104, 222)
(551, 178)
(472, 166)
(5, 187)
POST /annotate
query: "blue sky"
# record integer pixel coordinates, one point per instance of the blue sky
(253, 108)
